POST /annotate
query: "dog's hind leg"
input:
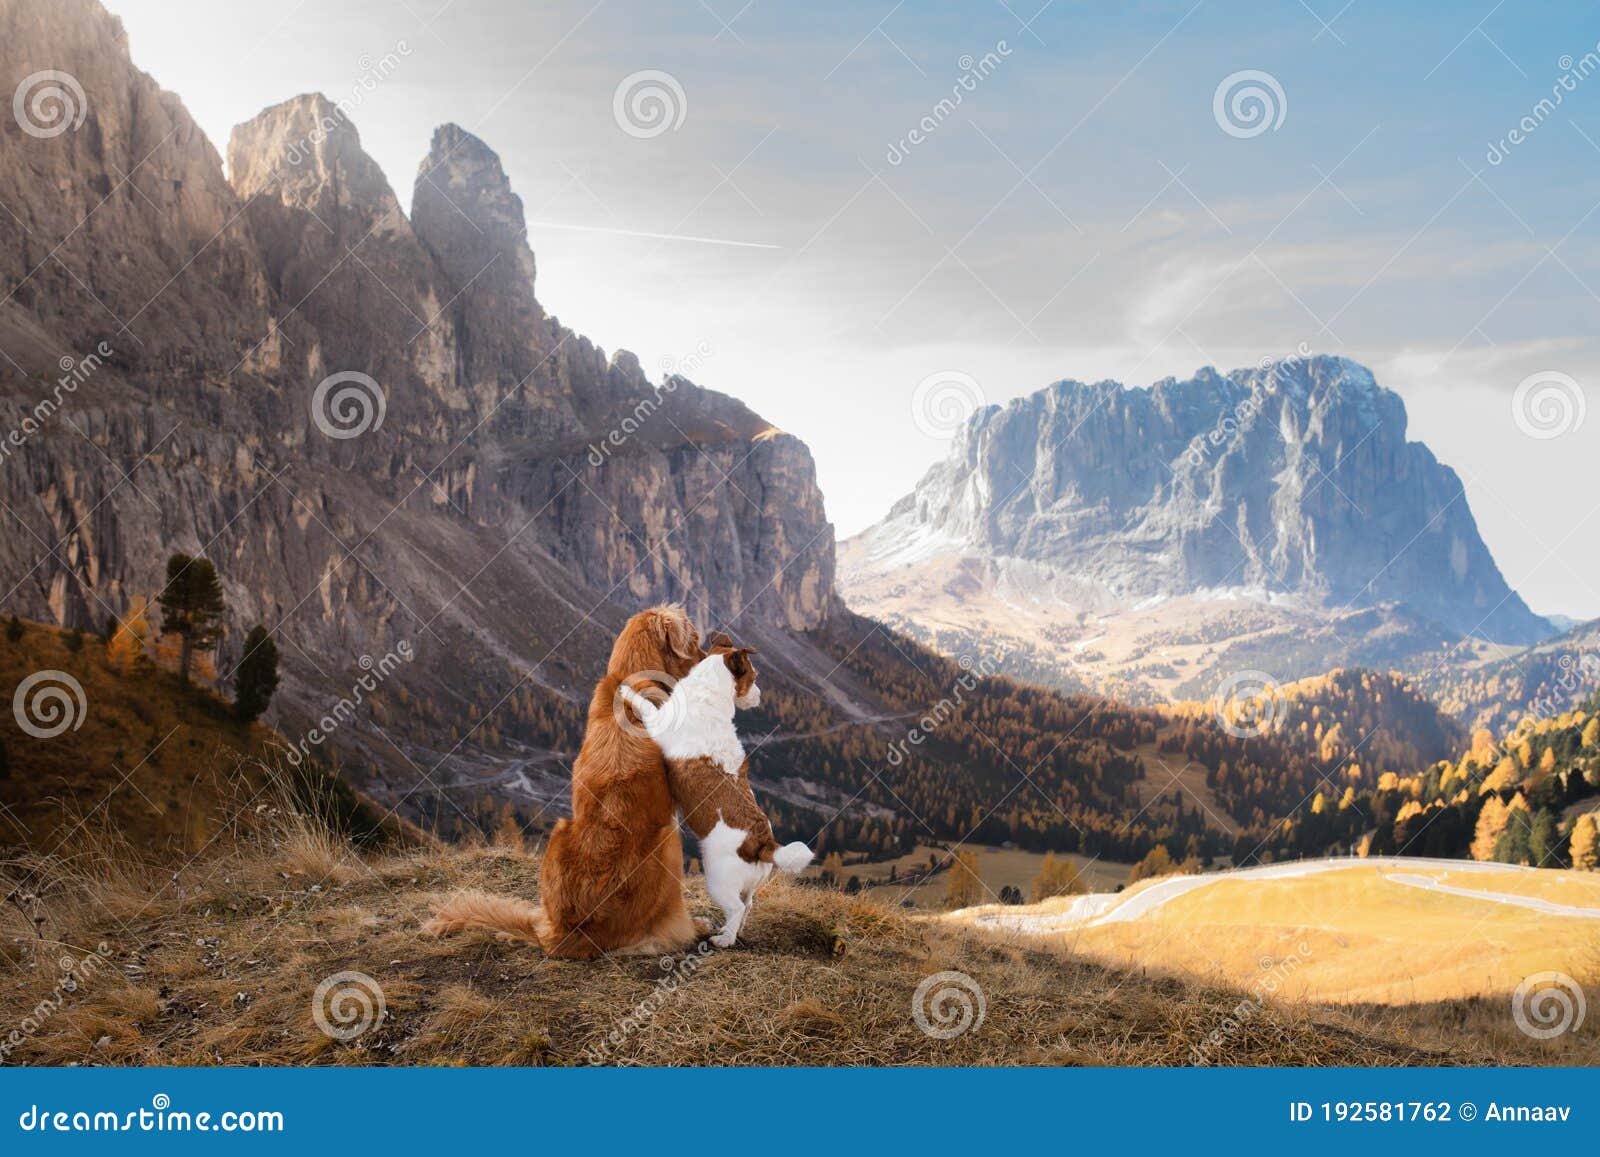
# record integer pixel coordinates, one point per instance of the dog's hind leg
(727, 879)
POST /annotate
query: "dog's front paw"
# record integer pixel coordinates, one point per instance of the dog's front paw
(725, 939)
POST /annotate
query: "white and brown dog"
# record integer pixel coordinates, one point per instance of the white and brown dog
(709, 777)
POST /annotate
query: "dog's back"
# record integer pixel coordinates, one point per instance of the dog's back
(706, 767)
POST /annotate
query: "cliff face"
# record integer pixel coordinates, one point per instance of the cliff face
(1294, 479)
(477, 479)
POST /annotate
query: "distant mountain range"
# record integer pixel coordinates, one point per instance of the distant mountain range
(1140, 541)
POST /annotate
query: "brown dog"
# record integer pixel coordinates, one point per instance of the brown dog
(612, 876)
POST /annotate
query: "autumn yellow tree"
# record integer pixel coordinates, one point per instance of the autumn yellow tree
(1491, 823)
(1591, 733)
(126, 648)
(1157, 862)
(1586, 843)
(966, 884)
(1057, 877)
(1506, 774)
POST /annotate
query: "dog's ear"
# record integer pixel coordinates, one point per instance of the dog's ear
(738, 660)
(719, 639)
(674, 633)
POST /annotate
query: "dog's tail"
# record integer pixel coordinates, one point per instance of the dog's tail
(504, 917)
(791, 858)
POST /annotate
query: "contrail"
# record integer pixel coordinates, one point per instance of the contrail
(655, 236)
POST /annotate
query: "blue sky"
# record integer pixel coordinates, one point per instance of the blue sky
(1082, 213)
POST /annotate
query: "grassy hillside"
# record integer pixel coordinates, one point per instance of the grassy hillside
(225, 967)
(140, 757)
(1397, 932)
(158, 764)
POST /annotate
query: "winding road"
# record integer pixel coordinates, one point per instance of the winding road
(1116, 908)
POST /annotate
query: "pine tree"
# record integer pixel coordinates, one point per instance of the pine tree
(1544, 839)
(256, 677)
(5, 761)
(126, 648)
(192, 606)
(74, 640)
(1515, 845)
(13, 630)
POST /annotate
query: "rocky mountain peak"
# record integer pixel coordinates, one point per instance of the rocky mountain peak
(307, 154)
(1292, 478)
(465, 209)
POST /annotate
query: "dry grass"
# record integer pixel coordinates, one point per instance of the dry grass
(1357, 937)
(220, 966)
